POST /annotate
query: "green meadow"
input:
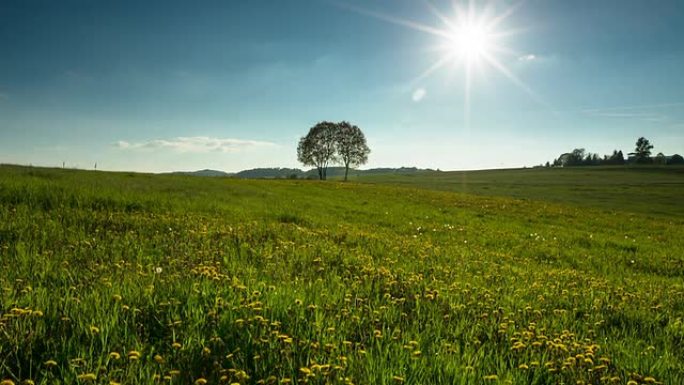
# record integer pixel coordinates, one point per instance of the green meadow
(560, 276)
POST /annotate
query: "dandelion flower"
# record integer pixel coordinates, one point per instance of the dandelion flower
(87, 377)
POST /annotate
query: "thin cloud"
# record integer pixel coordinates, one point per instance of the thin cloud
(527, 58)
(633, 107)
(194, 144)
(645, 112)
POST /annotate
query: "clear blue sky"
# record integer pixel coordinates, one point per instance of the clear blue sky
(229, 85)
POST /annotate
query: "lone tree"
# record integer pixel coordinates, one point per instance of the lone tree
(351, 146)
(319, 147)
(642, 153)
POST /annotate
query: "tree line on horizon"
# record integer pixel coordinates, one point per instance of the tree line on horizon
(641, 155)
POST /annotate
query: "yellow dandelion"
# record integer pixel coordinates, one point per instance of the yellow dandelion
(158, 359)
(133, 355)
(200, 381)
(114, 355)
(398, 379)
(523, 367)
(29, 382)
(112, 382)
(7, 382)
(87, 377)
(174, 372)
(491, 377)
(176, 345)
(94, 330)
(650, 380)
(50, 363)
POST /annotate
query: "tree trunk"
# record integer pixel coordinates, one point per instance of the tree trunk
(346, 171)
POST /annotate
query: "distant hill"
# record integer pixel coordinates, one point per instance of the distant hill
(206, 172)
(296, 173)
(277, 172)
(333, 172)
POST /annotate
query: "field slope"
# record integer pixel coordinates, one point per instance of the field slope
(112, 278)
(652, 190)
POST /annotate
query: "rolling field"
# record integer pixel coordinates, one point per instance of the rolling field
(109, 278)
(652, 190)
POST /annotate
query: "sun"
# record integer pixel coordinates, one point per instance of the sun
(471, 41)
(470, 37)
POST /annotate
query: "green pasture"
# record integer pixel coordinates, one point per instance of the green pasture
(569, 277)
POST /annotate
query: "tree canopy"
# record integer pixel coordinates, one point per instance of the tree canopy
(642, 152)
(351, 146)
(319, 147)
(328, 143)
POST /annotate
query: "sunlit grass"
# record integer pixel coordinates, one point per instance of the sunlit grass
(116, 278)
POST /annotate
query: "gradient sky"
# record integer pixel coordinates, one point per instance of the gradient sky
(230, 85)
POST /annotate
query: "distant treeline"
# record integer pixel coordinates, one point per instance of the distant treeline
(641, 155)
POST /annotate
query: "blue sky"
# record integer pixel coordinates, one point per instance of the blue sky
(230, 85)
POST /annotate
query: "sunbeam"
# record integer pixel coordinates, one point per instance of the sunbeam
(470, 38)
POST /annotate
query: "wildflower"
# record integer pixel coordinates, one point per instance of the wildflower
(94, 330)
(50, 363)
(491, 377)
(87, 377)
(398, 379)
(176, 345)
(200, 381)
(158, 270)
(6, 382)
(158, 359)
(114, 355)
(305, 370)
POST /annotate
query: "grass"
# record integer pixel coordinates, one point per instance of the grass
(651, 190)
(131, 278)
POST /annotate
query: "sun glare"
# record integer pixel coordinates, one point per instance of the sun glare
(470, 41)
(470, 37)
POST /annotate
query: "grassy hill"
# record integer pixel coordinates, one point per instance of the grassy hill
(640, 189)
(134, 278)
